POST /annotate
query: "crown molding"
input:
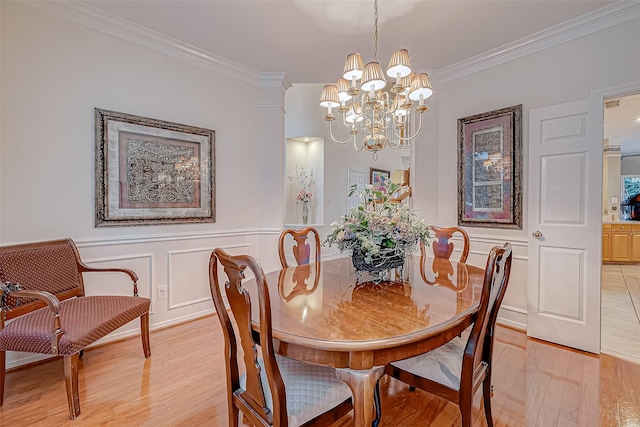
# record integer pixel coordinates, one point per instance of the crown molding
(277, 79)
(600, 19)
(96, 19)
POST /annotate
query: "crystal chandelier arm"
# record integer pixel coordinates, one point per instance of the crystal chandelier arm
(400, 138)
(352, 138)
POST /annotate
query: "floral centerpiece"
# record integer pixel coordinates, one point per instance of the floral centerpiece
(380, 232)
(303, 183)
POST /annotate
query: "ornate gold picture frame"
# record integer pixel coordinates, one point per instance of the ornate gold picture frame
(151, 171)
(490, 169)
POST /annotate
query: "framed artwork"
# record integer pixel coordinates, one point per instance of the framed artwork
(151, 171)
(490, 169)
(379, 179)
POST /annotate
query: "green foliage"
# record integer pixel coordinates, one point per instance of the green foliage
(378, 226)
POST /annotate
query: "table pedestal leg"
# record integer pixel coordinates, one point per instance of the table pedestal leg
(362, 384)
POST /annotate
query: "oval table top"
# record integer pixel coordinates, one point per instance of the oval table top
(320, 314)
(320, 306)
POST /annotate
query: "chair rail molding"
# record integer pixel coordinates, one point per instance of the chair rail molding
(155, 238)
(172, 265)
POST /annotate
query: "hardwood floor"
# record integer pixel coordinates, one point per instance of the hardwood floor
(620, 304)
(183, 384)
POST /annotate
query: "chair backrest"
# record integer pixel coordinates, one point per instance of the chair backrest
(496, 278)
(443, 248)
(301, 249)
(253, 395)
(52, 266)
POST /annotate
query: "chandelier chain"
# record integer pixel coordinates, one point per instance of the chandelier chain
(375, 30)
(385, 115)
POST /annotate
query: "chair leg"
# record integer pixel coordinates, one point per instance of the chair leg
(487, 391)
(2, 372)
(144, 333)
(466, 406)
(71, 380)
(378, 405)
(234, 416)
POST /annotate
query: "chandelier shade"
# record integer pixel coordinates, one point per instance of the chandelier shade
(330, 97)
(343, 90)
(386, 116)
(420, 87)
(399, 65)
(353, 66)
(373, 77)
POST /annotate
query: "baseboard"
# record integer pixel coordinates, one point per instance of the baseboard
(512, 317)
(623, 356)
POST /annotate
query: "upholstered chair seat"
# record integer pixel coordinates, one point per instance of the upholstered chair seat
(92, 317)
(442, 365)
(311, 390)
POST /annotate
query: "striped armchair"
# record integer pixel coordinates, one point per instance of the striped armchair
(50, 314)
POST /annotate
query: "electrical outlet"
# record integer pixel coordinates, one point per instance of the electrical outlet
(162, 292)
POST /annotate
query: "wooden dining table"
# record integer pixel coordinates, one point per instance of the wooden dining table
(320, 314)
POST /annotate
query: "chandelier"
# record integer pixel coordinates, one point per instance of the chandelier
(384, 117)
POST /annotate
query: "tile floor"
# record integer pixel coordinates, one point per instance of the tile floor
(620, 311)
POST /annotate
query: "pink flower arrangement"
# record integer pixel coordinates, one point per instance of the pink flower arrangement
(303, 182)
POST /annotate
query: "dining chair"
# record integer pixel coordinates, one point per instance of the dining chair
(442, 247)
(274, 390)
(301, 249)
(457, 369)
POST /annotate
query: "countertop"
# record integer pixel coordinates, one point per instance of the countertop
(620, 221)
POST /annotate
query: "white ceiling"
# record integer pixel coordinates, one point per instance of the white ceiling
(309, 39)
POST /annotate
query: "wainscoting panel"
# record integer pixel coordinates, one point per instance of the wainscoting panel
(187, 285)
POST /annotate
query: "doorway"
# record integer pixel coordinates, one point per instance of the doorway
(620, 296)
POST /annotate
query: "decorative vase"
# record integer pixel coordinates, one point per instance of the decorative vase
(379, 265)
(379, 262)
(305, 212)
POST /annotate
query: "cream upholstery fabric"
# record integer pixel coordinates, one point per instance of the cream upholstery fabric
(311, 390)
(442, 365)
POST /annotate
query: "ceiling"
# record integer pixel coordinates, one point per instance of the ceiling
(309, 39)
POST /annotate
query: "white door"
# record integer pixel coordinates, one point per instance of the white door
(356, 178)
(565, 198)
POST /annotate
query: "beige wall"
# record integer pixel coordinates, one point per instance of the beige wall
(563, 73)
(54, 73)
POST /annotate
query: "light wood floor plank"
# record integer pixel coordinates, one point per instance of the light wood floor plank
(183, 384)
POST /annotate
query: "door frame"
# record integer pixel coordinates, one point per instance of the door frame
(626, 89)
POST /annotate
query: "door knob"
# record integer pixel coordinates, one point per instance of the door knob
(536, 234)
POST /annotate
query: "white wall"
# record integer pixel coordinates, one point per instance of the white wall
(54, 72)
(563, 73)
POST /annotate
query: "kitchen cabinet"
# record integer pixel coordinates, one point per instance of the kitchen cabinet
(621, 242)
(606, 242)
